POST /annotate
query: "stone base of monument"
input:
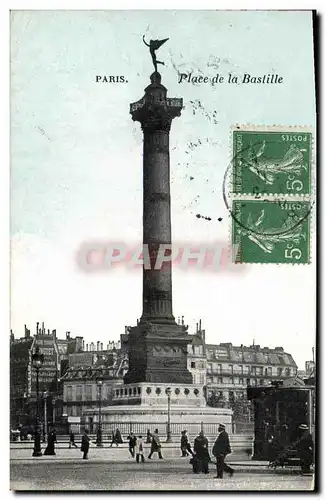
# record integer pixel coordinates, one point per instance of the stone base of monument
(143, 406)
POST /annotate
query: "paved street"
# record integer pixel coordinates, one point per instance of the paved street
(102, 472)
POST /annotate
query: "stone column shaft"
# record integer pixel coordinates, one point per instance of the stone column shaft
(157, 284)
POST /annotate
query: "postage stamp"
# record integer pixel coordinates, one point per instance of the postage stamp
(271, 231)
(271, 161)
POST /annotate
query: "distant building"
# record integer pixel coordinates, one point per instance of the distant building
(231, 368)
(72, 369)
(23, 374)
(80, 382)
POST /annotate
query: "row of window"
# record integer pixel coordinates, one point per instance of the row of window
(242, 381)
(248, 370)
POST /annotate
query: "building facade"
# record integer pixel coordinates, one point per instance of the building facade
(72, 369)
(23, 397)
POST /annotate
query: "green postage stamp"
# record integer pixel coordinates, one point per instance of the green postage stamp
(271, 161)
(271, 231)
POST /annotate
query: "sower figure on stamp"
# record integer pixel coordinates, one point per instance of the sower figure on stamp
(222, 448)
(153, 46)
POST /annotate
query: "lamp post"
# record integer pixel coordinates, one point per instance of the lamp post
(168, 430)
(55, 399)
(45, 422)
(99, 430)
(37, 361)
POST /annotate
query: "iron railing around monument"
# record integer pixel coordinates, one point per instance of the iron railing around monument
(141, 428)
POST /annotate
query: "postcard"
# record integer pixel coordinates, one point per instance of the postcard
(163, 250)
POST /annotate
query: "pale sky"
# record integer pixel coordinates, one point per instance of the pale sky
(76, 166)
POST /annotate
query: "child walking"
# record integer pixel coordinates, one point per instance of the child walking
(140, 450)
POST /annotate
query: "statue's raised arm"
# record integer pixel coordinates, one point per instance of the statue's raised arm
(153, 46)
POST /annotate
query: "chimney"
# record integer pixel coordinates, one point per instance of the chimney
(83, 345)
(43, 328)
(91, 346)
(48, 331)
(199, 324)
(101, 346)
(182, 320)
(203, 335)
(67, 335)
(196, 327)
(37, 328)
(54, 333)
(27, 332)
(178, 320)
(86, 347)
(98, 345)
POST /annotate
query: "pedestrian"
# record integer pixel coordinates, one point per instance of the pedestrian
(222, 448)
(52, 439)
(85, 444)
(140, 450)
(184, 444)
(113, 440)
(148, 436)
(156, 445)
(132, 444)
(118, 437)
(305, 449)
(72, 440)
(201, 459)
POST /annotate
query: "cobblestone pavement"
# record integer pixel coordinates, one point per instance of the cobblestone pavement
(168, 474)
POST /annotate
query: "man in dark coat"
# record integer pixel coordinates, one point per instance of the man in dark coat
(132, 444)
(85, 444)
(148, 436)
(220, 449)
(305, 449)
(201, 459)
(52, 439)
(72, 440)
(184, 444)
(155, 445)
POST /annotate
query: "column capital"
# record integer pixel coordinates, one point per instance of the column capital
(155, 111)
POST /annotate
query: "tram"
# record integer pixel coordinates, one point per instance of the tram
(278, 412)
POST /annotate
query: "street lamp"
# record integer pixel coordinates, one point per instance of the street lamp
(99, 430)
(168, 430)
(37, 361)
(45, 422)
(55, 399)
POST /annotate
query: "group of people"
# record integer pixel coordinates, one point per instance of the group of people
(200, 452)
(136, 443)
(200, 456)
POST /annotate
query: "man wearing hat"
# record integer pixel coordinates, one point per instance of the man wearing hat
(222, 448)
(305, 448)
